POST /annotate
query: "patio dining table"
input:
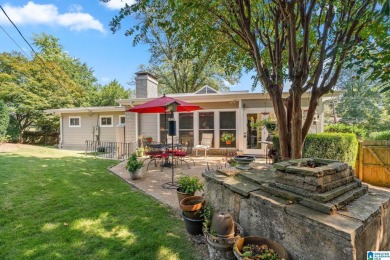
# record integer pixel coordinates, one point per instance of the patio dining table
(161, 151)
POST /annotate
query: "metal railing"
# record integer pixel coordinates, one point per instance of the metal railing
(112, 150)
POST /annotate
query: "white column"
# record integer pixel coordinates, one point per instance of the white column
(196, 128)
(240, 126)
(216, 128)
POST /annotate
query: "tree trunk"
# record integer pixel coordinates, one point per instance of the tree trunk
(275, 92)
(296, 126)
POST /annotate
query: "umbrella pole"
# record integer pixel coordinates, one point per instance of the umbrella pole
(171, 185)
(173, 155)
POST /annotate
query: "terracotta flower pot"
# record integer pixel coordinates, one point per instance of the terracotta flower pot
(228, 142)
(192, 203)
(182, 195)
(223, 225)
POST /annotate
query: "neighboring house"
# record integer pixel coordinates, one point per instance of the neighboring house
(232, 112)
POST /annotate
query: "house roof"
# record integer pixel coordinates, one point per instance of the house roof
(85, 110)
(218, 97)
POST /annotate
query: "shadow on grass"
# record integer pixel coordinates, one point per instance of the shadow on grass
(71, 207)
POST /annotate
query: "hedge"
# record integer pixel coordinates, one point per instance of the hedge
(383, 135)
(343, 128)
(336, 146)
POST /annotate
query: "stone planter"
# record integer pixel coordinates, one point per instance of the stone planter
(243, 161)
(240, 243)
(222, 248)
(135, 175)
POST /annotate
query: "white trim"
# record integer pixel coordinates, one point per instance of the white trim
(72, 117)
(61, 132)
(120, 119)
(100, 121)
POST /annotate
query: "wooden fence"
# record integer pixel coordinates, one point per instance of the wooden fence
(373, 163)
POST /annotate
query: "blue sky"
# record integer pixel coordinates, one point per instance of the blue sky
(82, 28)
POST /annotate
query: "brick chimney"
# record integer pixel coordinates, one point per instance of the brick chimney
(145, 85)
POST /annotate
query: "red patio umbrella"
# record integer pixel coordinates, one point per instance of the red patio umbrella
(160, 105)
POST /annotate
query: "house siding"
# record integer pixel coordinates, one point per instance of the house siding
(76, 136)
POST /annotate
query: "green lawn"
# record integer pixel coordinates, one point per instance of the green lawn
(55, 204)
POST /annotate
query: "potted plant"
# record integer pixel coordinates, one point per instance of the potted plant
(134, 167)
(270, 125)
(259, 248)
(187, 186)
(140, 152)
(228, 138)
(149, 139)
(191, 206)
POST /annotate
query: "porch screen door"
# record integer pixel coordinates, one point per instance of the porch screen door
(253, 135)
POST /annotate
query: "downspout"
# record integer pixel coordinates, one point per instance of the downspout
(61, 131)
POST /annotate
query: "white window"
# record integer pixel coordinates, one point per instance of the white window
(74, 121)
(106, 121)
(122, 119)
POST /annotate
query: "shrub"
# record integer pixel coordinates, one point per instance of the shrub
(335, 146)
(133, 164)
(189, 185)
(343, 128)
(383, 135)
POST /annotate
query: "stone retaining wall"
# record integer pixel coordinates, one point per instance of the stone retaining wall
(308, 234)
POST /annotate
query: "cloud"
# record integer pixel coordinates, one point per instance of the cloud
(47, 14)
(75, 8)
(118, 4)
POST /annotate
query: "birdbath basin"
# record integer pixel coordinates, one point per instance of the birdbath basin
(243, 161)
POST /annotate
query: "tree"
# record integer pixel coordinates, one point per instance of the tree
(180, 67)
(51, 50)
(372, 57)
(361, 104)
(4, 119)
(302, 42)
(109, 93)
(27, 88)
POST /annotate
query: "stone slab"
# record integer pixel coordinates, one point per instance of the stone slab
(327, 208)
(368, 206)
(297, 183)
(228, 172)
(323, 161)
(259, 176)
(339, 166)
(341, 201)
(305, 171)
(241, 185)
(289, 196)
(296, 190)
(330, 195)
(335, 224)
(335, 184)
(281, 165)
(216, 176)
